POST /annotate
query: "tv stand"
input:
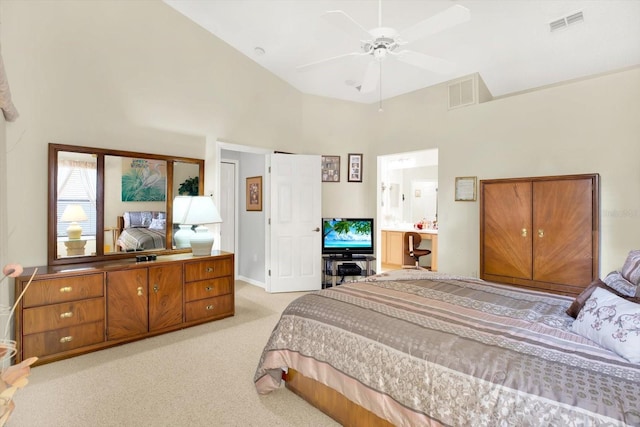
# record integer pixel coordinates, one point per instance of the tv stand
(331, 263)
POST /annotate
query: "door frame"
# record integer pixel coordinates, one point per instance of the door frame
(221, 145)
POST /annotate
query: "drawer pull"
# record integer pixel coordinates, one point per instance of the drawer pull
(66, 289)
(156, 288)
(209, 269)
(210, 307)
(208, 288)
(66, 315)
(66, 339)
(139, 291)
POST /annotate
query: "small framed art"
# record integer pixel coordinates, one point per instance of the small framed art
(330, 168)
(466, 188)
(355, 167)
(254, 193)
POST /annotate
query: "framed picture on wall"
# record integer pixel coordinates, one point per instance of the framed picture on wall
(466, 188)
(354, 167)
(254, 193)
(330, 168)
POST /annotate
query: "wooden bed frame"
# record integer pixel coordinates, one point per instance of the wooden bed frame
(332, 403)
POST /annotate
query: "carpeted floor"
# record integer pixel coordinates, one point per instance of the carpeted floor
(201, 376)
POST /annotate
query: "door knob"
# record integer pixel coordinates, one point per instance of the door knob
(523, 233)
(139, 291)
(156, 288)
(540, 232)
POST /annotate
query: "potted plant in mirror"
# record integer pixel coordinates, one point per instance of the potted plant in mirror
(189, 187)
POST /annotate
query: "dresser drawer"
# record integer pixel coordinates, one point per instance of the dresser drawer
(210, 269)
(207, 288)
(51, 291)
(52, 342)
(56, 316)
(210, 307)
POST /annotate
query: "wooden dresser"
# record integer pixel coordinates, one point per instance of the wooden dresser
(75, 309)
(541, 233)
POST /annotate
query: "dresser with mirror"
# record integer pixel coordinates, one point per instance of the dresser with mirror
(114, 273)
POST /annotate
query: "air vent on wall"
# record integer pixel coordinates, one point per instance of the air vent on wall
(565, 21)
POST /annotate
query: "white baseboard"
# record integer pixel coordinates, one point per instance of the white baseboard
(252, 282)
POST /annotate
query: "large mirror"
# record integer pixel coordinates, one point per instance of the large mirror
(106, 204)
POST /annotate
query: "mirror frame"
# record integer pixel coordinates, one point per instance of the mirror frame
(100, 153)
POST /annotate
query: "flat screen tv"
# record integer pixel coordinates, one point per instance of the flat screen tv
(347, 237)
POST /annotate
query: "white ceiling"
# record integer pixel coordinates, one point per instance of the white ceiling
(508, 42)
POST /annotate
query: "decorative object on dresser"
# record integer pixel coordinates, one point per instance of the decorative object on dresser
(75, 309)
(541, 233)
(196, 210)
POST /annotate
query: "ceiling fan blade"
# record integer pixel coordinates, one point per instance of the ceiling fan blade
(431, 63)
(371, 77)
(341, 20)
(448, 18)
(327, 61)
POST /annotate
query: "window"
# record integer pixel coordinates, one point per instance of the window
(76, 186)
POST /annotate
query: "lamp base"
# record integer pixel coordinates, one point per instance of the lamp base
(183, 236)
(202, 242)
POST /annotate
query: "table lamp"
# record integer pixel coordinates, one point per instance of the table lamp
(73, 214)
(202, 211)
(195, 210)
(182, 238)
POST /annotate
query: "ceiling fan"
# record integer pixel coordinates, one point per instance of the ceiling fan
(382, 42)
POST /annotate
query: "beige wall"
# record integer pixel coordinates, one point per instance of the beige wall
(139, 76)
(582, 127)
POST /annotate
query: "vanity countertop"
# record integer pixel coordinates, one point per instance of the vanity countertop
(408, 228)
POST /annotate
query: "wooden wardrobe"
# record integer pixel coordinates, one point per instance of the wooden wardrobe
(541, 233)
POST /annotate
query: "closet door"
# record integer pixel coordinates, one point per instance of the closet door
(506, 237)
(563, 234)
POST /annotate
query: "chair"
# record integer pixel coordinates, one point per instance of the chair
(411, 242)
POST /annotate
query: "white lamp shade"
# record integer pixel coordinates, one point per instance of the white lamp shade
(202, 210)
(180, 208)
(73, 213)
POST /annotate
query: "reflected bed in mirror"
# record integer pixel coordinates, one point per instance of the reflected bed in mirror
(97, 195)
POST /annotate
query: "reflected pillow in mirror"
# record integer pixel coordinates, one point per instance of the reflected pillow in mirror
(137, 219)
(158, 224)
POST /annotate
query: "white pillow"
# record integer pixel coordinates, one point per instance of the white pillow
(612, 322)
(158, 224)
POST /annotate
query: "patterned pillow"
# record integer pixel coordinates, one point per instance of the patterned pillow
(616, 281)
(612, 322)
(578, 303)
(631, 268)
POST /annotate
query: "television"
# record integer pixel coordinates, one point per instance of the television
(347, 237)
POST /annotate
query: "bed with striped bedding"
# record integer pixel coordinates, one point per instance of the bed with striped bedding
(421, 348)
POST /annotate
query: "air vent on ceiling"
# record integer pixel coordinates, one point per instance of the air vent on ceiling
(565, 21)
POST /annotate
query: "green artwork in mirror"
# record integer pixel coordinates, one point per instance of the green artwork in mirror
(144, 180)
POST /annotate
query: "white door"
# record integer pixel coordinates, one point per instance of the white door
(295, 215)
(227, 203)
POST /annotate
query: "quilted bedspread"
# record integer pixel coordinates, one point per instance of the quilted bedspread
(422, 348)
(141, 239)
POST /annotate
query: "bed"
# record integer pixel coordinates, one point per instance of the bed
(141, 230)
(414, 347)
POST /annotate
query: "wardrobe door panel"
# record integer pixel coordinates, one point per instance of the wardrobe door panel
(563, 231)
(507, 249)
